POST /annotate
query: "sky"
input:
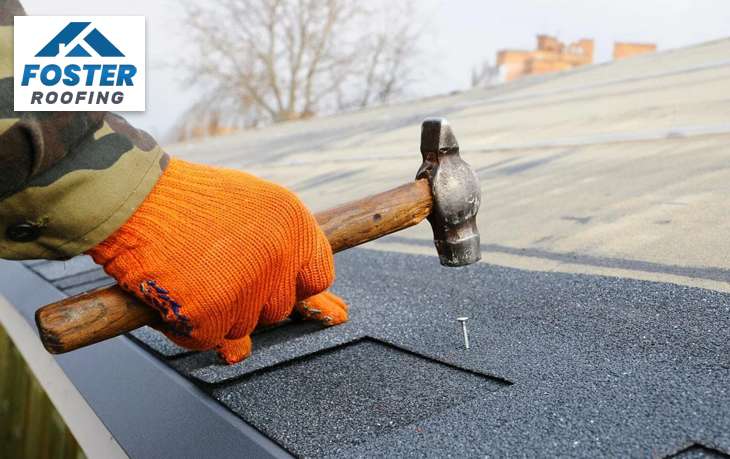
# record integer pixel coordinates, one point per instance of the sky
(457, 35)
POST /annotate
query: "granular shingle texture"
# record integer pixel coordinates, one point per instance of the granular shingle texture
(699, 452)
(315, 404)
(598, 366)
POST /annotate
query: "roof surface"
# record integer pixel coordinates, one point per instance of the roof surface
(599, 317)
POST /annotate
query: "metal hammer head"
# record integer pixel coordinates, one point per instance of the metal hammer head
(456, 195)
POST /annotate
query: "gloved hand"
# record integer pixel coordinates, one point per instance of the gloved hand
(216, 252)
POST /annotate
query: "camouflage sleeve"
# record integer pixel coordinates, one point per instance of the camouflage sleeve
(67, 179)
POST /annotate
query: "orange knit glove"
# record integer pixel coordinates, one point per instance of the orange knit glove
(216, 252)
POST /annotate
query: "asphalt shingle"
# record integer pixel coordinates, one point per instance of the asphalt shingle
(585, 366)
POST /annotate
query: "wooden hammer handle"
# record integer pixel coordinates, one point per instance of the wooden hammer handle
(101, 314)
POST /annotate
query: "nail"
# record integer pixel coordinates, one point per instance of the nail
(463, 329)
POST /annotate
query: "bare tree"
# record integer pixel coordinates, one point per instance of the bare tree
(262, 61)
(484, 75)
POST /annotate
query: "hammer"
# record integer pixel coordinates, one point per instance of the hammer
(446, 192)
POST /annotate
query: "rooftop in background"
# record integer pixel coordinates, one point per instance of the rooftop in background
(623, 50)
(571, 163)
(552, 55)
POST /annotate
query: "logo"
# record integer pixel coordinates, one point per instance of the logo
(98, 42)
(82, 64)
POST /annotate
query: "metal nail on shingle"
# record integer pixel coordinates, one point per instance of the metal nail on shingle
(463, 328)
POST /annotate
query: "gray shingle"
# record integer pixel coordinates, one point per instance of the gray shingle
(600, 366)
(350, 395)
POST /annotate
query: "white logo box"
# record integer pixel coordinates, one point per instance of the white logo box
(125, 33)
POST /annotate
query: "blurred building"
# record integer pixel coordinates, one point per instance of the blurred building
(551, 55)
(622, 50)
